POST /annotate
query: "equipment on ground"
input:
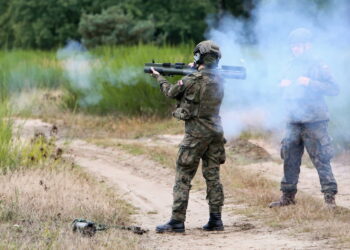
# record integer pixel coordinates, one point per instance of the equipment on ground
(89, 228)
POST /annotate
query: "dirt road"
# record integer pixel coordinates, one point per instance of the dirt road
(148, 186)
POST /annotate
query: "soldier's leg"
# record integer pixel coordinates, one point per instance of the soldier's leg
(188, 159)
(291, 152)
(213, 157)
(211, 160)
(318, 145)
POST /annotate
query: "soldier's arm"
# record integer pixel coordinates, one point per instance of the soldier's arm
(324, 82)
(173, 90)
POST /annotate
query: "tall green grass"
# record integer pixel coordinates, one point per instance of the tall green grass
(9, 154)
(29, 69)
(116, 83)
(119, 84)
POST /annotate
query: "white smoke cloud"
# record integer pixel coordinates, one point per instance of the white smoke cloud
(258, 96)
(79, 67)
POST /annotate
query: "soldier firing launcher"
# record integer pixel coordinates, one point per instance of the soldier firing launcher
(171, 69)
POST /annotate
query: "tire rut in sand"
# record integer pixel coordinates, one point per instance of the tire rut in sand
(148, 186)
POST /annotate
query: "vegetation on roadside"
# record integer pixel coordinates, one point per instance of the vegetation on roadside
(38, 205)
(9, 158)
(41, 194)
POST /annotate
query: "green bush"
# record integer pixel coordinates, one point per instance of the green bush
(43, 24)
(114, 27)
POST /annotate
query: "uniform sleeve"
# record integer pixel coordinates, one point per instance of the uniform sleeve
(174, 90)
(324, 82)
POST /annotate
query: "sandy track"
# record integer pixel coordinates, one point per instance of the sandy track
(148, 186)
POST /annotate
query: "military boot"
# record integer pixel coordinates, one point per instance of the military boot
(214, 223)
(329, 199)
(171, 226)
(285, 200)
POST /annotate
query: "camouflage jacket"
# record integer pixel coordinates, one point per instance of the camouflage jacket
(199, 96)
(306, 104)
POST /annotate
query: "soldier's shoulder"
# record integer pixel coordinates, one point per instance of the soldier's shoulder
(193, 77)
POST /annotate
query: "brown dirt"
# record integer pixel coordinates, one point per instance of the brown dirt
(148, 186)
(248, 149)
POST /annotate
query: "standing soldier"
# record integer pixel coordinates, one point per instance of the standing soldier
(199, 96)
(306, 82)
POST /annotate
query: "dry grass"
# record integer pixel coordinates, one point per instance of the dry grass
(309, 215)
(37, 207)
(47, 105)
(86, 126)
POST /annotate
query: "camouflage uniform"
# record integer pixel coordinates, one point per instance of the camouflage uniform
(199, 97)
(307, 123)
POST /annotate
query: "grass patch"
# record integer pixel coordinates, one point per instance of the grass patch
(38, 205)
(9, 150)
(48, 105)
(87, 126)
(41, 194)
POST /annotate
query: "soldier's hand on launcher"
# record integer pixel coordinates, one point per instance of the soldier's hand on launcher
(154, 72)
(285, 83)
(303, 80)
(191, 64)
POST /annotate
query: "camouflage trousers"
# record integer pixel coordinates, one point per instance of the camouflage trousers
(212, 152)
(314, 137)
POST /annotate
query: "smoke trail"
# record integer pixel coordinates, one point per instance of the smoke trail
(79, 66)
(272, 21)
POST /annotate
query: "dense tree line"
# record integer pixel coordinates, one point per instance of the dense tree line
(46, 24)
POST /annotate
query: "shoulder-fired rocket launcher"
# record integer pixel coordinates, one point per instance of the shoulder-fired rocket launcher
(171, 69)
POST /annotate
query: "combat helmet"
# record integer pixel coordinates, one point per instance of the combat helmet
(300, 35)
(207, 53)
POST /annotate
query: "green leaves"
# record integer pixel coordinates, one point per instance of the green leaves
(113, 27)
(41, 24)
(49, 24)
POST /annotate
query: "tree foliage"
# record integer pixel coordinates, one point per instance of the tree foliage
(42, 23)
(46, 24)
(114, 26)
